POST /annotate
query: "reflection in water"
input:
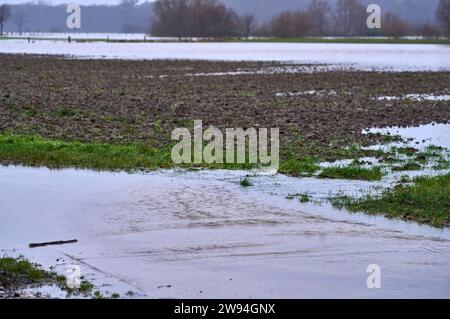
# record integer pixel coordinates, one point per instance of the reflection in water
(204, 235)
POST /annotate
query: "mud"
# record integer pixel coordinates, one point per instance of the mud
(142, 101)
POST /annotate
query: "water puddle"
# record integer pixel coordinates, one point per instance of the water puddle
(306, 93)
(417, 136)
(200, 234)
(416, 97)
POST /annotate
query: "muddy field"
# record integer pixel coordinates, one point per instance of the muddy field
(142, 101)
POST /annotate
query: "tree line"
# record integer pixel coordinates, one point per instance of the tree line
(211, 18)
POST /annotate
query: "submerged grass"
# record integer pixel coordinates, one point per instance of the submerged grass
(352, 172)
(245, 182)
(410, 166)
(18, 272)
(426, 201)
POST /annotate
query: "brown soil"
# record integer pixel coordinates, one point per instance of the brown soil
(121, 101)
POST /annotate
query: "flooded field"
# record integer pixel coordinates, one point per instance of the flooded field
(182, 234)
(368, 57)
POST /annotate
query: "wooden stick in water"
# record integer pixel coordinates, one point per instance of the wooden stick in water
(60, 242)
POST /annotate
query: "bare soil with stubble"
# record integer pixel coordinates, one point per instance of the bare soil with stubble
(119, 101)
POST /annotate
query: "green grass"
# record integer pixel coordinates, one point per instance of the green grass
(302, 198)
(245, 182)
(442, 164)
(37, 151)
(352, 172)
(410, 151)
(299, 166)
(258, 40)
(426, 201)
(15, 273)
(22, 267)
(410, 166)
(34, 150)
(66, 112)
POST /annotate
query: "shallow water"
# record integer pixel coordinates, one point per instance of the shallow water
(178, 233)
(200, 234)
(384, 57)
(418, 136)
(417, 97)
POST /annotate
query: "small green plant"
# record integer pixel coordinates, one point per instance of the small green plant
(21, 267)
(30, 110)
(427, 200)
(407, 150)
(352, 172)
(304, 198)
(157, 126)
(85, 286)
(442, 164)
(65, 112)
(98, 295)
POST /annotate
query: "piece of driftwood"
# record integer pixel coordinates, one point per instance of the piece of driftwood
(59, 242)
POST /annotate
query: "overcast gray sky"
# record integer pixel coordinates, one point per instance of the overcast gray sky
(67, 1)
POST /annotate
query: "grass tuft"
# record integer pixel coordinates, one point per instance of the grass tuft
(426, 201)
(352, 172)
(245, 182)
(410, 166)
(22, 267)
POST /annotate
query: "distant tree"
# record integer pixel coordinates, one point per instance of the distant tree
(5, 13)
(350, 18)
(428, 30)
(394, 26)
(248, 24)
(171, 18)
(19, 20)
(193, 18)
(319, 11)
(443, 15)
(128, 3)
(291, 24)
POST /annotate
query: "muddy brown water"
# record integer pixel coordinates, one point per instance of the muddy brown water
(190, 234)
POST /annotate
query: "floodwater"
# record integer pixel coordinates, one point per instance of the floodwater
(371, 57)
(178, 234)
(419, 136)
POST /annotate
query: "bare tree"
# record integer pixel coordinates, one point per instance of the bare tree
(350, 17)
(194, 18)
(443, 15)
(394, 26)
(428, 30)
(19, 19)
(128, 3)
(171, 18)
(248, 24)
(291, 24)
(5, 13)
(319, 11)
